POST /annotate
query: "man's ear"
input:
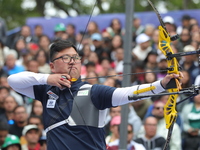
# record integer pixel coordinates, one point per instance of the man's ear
(51, 66)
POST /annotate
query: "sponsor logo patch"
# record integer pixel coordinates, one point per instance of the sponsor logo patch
(51, 103)
(52, 95)
(83, 93)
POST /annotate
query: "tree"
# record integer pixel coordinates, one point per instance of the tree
(15, 15)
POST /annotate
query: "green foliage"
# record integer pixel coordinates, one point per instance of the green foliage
(15, 16)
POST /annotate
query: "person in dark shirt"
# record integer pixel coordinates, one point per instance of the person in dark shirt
(20, 119)
(151, 141)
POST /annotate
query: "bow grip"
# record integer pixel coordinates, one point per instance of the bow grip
(171, 84)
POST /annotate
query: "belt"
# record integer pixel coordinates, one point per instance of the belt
(56, 125)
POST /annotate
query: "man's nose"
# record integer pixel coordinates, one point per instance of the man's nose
(72, 60)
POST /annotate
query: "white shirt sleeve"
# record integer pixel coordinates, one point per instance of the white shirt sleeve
(120, 95)
(23, 82)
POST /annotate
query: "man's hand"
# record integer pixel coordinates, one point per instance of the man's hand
(59, 80)
(168, 77)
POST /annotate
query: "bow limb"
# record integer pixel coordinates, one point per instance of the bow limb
(170, 113)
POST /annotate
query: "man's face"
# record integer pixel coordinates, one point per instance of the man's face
(9, 104)
(150, 127)
(20, 115)
(158, 110)
(32, 136)
(58, 66)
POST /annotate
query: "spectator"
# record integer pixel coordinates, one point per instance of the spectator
(151, 140)
(9, 105)
(92, 28)
(110, 82)
(32, 135)
(169, 24)
(71, 32)
(138, 67)
(94, 58)
(4, 92)
(114, 129)
(132, 118)
(33, 65)
(142, 48)
(4, 128)
(185, 39)
(191, 129)
(59, 30)
(93, 76)
(150, 61)
(4, 51)
(97, 42)
(38, 32)
(155, 40)
(188, 62)
(106, 66)
(37, 120)
(36, 108)
(115, 28)
(137, 27)
(149, 29)
(119, 62)
(10, 63)
(116, 42)
(185, 23)
(158, 113)
(131, 145)
(42, 58)
(162, 66)
(44, 43)
(20, 118)
(25, 34)
(12, 142)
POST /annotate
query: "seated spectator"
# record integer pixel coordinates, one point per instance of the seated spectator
(119, 62)
(11, 143)
(94, 58)
(191, 121)
(132, 119)
(143, 47)
(37, 120)
(163, 99)
(158, 113)
(20, 118)
(92, 78)
(9, 105)
(44, 43)
(115, 28)
(4, 92)
(37, 108)
(151, 140)
(42, 58)
(131, 145)
(10, 63)
(32, 135)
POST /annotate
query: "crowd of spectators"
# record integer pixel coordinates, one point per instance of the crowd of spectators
(102, 55)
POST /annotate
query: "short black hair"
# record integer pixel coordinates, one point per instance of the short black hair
(4, 126)
(59, 45)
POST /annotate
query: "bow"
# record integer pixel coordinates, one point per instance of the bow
(170, 113)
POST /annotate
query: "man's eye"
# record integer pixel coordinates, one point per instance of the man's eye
(66, 58)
